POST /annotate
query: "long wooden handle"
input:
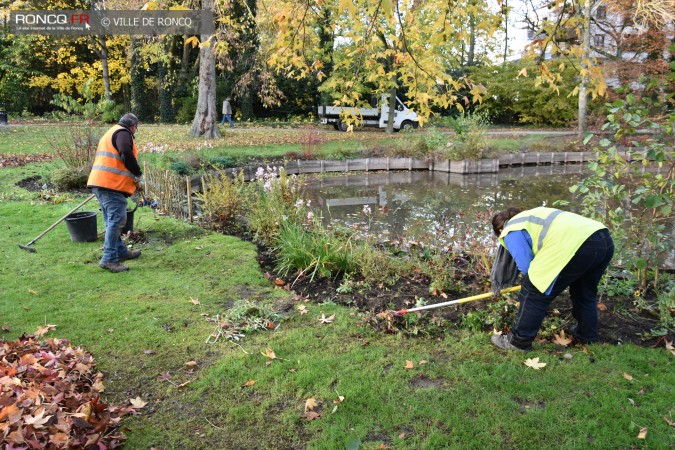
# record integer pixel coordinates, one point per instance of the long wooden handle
(61, 219)
(457, 302)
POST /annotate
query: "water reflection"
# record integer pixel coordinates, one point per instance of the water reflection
(433, 206)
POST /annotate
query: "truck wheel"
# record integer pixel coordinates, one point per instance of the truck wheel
(408, 125)
(342, 126)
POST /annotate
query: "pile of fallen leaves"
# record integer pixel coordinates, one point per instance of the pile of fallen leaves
(49, 398)
(22, 160)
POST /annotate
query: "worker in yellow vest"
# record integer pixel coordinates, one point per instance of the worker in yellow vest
(553, 249)
(113, 178)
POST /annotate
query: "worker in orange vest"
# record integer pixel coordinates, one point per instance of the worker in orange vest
(114, 177)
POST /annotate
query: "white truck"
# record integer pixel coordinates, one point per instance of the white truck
(369, 117)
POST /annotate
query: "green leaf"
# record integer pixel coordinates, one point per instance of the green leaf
(605, 142)
(587, 138)
(653, 201)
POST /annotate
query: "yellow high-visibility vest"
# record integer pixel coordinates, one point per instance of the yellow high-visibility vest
(556, 237)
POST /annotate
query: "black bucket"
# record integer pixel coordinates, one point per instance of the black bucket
(82, 226)
(129, 226)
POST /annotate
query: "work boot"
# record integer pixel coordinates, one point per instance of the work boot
(573, 333)
(112, 266)
(504, 341)
(133, 254)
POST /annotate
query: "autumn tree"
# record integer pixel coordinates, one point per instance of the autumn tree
(379, 47)
(592, 36)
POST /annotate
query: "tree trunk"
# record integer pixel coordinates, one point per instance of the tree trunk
(101, 49)
(104, 68)
(392, 110)
(205, 123)
(472, 41)
(585, 63)
(505, 8)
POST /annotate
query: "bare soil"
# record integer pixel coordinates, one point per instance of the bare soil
(619, 321)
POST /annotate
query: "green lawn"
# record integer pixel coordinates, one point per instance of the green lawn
(466, 394)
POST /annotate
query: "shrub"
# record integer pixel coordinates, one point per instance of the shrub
(221, 162)
(181, 168)
(77, 146)
(224, 198)
(471, 141)
(434, 139)
(68, 178)
(516, 99)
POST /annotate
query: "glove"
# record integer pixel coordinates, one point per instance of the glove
(138, 181)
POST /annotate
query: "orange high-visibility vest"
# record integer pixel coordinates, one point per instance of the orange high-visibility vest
(109, 170)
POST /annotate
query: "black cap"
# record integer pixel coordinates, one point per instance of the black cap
(128, 120)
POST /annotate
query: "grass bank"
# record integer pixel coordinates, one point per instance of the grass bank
(366, 389)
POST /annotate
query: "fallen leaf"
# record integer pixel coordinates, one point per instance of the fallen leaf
(632, 402)
(268, 363)
(44, 330)
(626, 376)
(669, 347)
(279, 282)
(6, 328)
(534, 363)
(38, 420)
(149, 352)
(444, 295)
(325, 319)
(602, 307)
(191, 364)
(269, 353)
(164, 376)
(423, 362)
(292, 370)
(138, 403)
(248, 383)
(310, 404)
(669, 422)
(642, 434)
(311, 415)
(32, 292)
(194, 301)
(110, 330)
(184, 384)
(303, 309)
(402, 436)
(561, 339)
(409, 364)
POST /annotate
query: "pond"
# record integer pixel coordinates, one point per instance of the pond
(432, 207)
(435, 207)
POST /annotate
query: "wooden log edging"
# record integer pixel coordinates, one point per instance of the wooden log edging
(299, 167)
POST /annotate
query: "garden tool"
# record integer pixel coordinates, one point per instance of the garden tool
(457, 302)
(31, 249)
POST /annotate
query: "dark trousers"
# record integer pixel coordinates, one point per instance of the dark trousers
(114, 209)
(582, 274)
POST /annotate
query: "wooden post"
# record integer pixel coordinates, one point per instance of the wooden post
(145, 185)
(189, 196)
